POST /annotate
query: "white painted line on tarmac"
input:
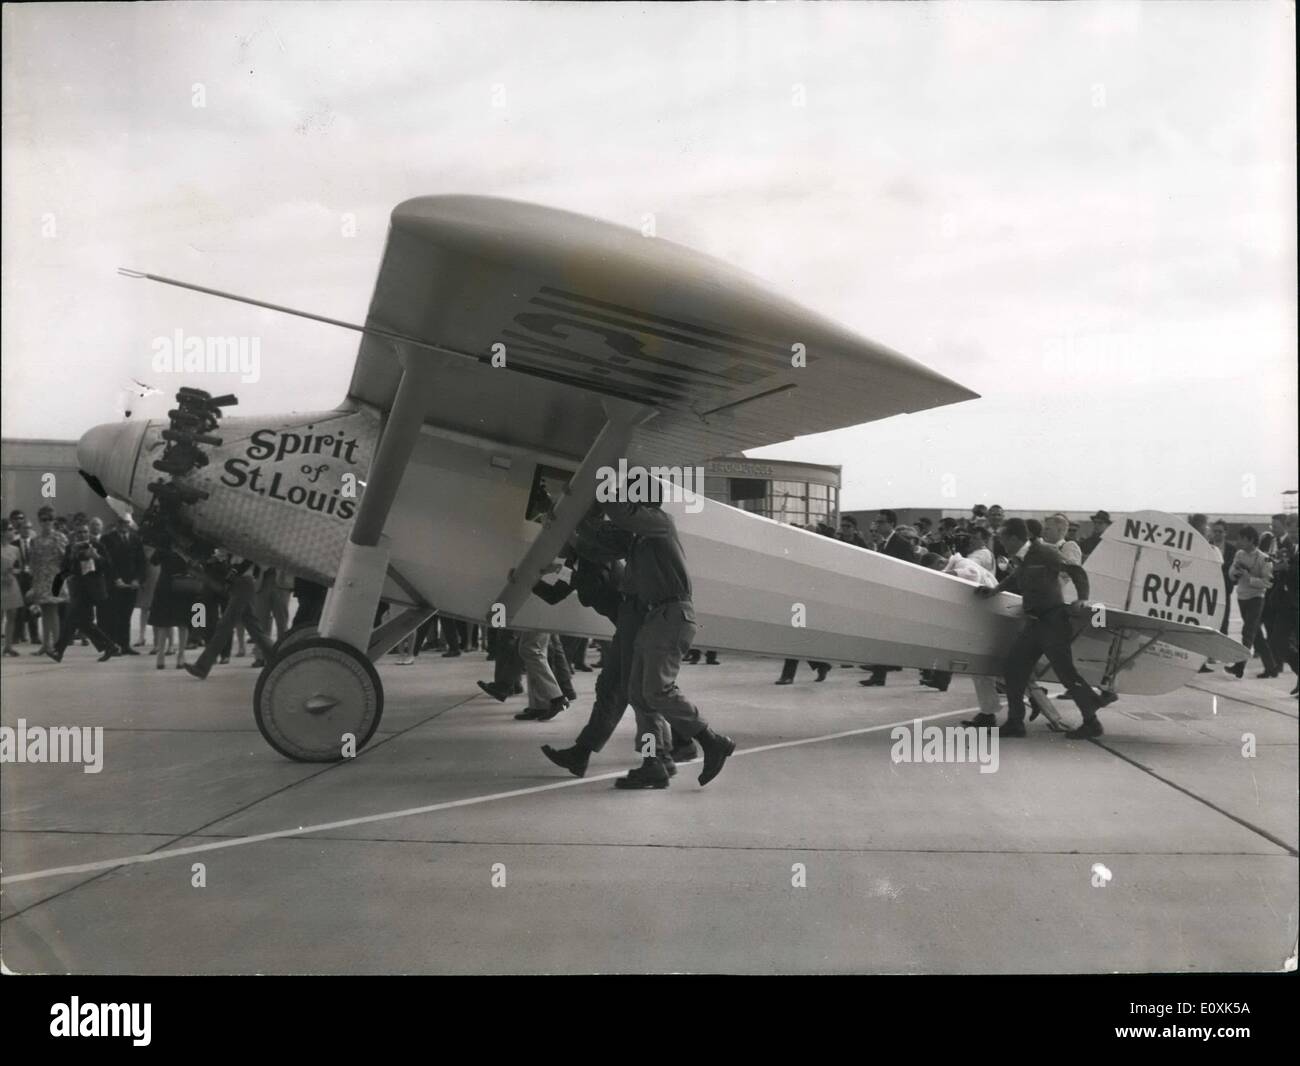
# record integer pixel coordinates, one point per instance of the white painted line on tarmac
(432, 808)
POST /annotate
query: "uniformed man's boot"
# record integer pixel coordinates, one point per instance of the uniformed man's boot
(1090, 728)
(686, 751)
(650, 774)
(573, 759)
(717, 750)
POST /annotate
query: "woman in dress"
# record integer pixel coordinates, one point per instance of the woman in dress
(11, 592)
(173, 597)
(48, 548)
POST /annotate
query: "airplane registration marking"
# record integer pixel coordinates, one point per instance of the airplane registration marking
(432, 808)
(1154, 533)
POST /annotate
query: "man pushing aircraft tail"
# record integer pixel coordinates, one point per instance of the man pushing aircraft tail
(1047, 630)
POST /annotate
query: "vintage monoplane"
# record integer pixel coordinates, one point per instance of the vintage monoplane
(509, 345)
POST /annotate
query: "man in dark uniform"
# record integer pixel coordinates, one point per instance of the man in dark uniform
(1047, 630)
(656, 575)
(598, 581)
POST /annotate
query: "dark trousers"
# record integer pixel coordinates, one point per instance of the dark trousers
(940, 679)
(575, 650)
(310, 604)
(81, 619)
(791, 667)
(1252, 632)
(611, 682)
(26, 624)
(452, 633)
(507, 666)
(422, 634)
(611, 690)
(1049, 634)
(665, 636)
(1282, 636)
(239, 608)
(117, 613)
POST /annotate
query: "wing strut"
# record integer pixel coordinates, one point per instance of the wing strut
(350, 605)
(622, 417)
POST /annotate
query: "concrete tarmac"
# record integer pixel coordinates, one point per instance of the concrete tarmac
(451, 845)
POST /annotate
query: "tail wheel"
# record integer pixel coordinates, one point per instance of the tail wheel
(319, 701)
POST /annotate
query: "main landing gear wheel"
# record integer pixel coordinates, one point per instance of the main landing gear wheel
(316, 695)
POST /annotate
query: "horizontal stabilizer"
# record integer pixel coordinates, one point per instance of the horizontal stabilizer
(1199, 640)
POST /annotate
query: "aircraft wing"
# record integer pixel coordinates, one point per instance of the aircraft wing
(1199, 640)
(582, 310)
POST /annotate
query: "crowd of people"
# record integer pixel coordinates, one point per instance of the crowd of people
(69, 579)
(1259, 571)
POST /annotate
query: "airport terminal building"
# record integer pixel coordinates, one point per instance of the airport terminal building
(40, 473)
(799, 494)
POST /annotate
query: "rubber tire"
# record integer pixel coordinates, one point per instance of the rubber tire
(368, 690)
(296, 635)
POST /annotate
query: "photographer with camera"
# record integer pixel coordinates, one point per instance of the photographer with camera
(86, 577)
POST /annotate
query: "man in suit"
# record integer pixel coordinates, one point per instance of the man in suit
(895, 542)
(1100, 523)
(1047, 632)
(1281, 602)
(88, 579)
(849, 532)
(24, 622)
(126, 559)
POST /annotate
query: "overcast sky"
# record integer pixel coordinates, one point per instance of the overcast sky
(1084, 212)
